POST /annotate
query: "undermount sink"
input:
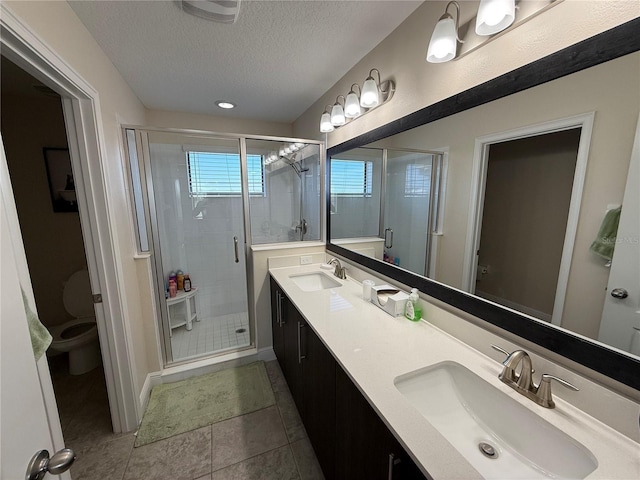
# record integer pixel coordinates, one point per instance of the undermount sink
(314, 281)
(500, 437)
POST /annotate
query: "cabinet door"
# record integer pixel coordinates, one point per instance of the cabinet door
(276, 322)
(318, 391)
(293, 351)
(365, 448)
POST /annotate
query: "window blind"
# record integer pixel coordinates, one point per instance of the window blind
(351, 178)
(417, 180)
(218, 174)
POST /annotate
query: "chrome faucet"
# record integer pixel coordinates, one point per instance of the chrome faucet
(340, 271)
(523, 382)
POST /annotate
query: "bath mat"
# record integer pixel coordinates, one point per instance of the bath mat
(199, 401)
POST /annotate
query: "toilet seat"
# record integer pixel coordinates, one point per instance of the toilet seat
(78, 337)
(62, 342)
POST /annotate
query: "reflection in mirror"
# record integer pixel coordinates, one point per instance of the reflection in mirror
(549, 185)
(287, 209)
(384, 202)
(527, 194)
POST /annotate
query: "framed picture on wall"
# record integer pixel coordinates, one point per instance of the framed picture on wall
(60, 175)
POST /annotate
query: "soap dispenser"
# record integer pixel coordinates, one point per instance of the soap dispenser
(413, 310)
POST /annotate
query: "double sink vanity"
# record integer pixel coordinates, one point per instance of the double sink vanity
(383, 397)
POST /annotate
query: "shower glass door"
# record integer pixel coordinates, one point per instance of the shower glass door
(408, 207)
(197, 208)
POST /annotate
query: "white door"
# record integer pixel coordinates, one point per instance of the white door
(622, 313)
(29, 419)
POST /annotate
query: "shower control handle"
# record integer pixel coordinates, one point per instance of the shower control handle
(235, 248)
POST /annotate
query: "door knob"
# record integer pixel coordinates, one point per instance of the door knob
(619, 293)
(40, 463)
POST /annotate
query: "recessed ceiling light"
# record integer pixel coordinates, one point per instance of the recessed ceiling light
(225, 105)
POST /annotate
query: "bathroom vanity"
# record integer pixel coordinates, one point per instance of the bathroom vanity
(374, 392)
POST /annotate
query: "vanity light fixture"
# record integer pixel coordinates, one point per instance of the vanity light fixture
(325, 121)
(352, 103)
(286, 152)
(494, 16)
(444, 40)
(493, 19)
(372, 94)
(337, 113)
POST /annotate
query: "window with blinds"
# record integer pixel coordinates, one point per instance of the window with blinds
(351, 178)
(417, 180)
(218, 174)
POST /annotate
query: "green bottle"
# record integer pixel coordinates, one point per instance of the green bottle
(413, 310)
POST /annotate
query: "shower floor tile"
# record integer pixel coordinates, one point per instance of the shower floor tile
(211, 335)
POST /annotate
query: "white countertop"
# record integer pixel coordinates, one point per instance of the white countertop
(374, 348)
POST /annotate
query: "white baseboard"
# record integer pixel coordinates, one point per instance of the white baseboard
(201, 367)
(153, 379)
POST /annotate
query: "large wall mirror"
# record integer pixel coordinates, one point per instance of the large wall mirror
(503, 192)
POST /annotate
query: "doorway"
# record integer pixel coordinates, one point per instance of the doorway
(527, 192)
(37, 151)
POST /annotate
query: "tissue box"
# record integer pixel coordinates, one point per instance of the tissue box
(389, 299)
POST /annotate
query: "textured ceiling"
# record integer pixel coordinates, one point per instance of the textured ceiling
(274, 63)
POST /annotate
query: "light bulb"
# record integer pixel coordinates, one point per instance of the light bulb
(370, 96)
(325, 123)
(352, 106)
(337, 115)
(494, 16)
(443, 44)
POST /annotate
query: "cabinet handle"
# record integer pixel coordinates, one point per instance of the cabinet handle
(393, 461)
(235, 248)
(278, 308)
(300, 356)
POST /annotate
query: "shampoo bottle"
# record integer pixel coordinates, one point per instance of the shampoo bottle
(412, 310)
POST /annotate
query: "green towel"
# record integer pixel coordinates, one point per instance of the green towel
(40, 336)
(604, 244)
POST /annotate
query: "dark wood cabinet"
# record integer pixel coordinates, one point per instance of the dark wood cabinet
(365, 448)
(277, 317)
(349, 438)
(318, 392)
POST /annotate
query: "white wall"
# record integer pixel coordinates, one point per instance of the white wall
(401, 56)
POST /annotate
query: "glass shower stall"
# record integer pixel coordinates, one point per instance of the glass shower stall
(209, 198)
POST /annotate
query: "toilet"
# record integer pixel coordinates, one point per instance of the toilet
(78, 337)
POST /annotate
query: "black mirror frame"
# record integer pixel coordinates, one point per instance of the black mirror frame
(614, 43)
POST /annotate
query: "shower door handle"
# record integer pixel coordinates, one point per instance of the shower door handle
(388, 244)
(235, 248)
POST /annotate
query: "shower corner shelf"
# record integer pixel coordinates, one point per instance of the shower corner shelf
(182, 309)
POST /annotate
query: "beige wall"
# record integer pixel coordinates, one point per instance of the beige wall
(209, 123)
(616, 113)
(524, 219)
(401, 56)
(52, 240)
(259, 263)
(57, 25)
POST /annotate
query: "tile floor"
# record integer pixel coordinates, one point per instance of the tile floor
(210, 335)
(270, 444)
